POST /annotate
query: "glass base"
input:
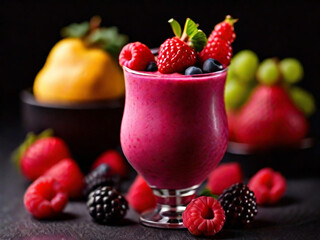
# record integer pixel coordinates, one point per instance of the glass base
(171, 203)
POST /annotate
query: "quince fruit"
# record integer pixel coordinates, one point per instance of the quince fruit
(82, 67)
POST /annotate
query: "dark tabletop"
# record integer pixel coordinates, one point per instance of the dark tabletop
(297, 216)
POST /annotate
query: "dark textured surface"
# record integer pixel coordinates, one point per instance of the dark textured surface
(296, 217)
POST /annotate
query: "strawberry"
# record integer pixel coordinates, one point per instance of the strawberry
(114, 160)
(69, 175)
(224, 176)
(178, 53)
(140, 195)
(270, 118)
(175, 56)
(219, 42)
(232, 123)
(41, 155)
(224, 30)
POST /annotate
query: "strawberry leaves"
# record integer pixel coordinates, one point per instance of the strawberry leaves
(194, 37)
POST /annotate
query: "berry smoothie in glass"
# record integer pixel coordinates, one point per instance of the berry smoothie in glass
(174, 129)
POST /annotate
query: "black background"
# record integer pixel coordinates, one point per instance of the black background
(29, 29)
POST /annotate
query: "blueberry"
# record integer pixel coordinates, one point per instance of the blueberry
(212, 65)
(192, 70)
(152, 67)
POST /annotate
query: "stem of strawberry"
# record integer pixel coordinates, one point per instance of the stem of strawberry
(230, 20)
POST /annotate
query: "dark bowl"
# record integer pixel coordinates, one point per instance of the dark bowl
(87, 128)
(298, 161)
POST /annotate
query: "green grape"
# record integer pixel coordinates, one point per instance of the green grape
(291, 70)
(244, 64)
(236, 93)
(268, 72)
(304, 100)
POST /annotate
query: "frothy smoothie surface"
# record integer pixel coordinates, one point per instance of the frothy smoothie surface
(174, 129)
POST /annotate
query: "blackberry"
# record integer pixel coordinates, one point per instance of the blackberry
(99, 177)
(239, 204)
(106, 205)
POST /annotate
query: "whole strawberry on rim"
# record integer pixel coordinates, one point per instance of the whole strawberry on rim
(180, 52)
(219, 42)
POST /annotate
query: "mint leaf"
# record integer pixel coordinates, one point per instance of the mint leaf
(190, 28)
(76, 30)
(206, 192)
(176, 28)
(199, 40)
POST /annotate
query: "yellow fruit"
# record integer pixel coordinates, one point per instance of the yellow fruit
(74, 72)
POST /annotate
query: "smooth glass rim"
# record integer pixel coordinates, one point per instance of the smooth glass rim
(174, 76)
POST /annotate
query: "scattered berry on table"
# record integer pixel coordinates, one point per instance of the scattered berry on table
(268, 186)
(224, 176)
(45, 198)
(106, 205)
(42, 155)
(152, 67)
(69, 175)
(204, 216)
(135, 56)
(192, 71)
(239, 204)
(211, 65)
(100, 176)
(114, 160)
(140, 195)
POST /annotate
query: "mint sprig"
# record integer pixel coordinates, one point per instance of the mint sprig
(193, 36)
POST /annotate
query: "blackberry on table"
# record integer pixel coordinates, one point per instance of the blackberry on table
(106, 205)
(239, 204)
(99, 177)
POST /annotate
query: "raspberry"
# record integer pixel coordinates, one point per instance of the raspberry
(106, 205)
(204, 216)
(42, 155)
(99, 177)
(45, 198)
(69, 175)
(114, 160)
(135, 56)
(239, 204)
(175, 56)
(224, 176)
(218, 49)
(140, 195)
(268, 185)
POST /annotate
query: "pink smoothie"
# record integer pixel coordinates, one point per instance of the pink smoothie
(174, 128)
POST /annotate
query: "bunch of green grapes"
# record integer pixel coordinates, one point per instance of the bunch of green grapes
(240, 79)
(245, 72)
